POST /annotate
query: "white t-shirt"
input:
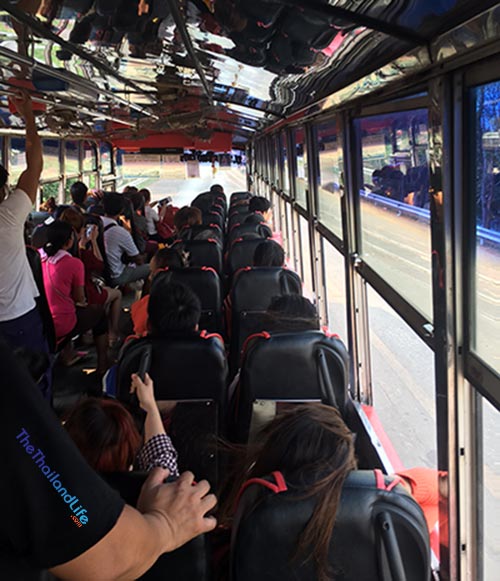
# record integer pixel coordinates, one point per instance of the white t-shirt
(18, 289)
(117, 241)
(151, 217)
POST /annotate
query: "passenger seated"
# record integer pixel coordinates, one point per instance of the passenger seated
(119, 243)
(291, 313)
(107, 437)
(260, 212)
(314, 449)
(64, 281)
(78, 192)
(96, 291)
(188, 225)
(269, 253)
(139, 219)
(164, 258)
(49, 205)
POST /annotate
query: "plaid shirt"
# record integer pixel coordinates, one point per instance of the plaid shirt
(158, 451)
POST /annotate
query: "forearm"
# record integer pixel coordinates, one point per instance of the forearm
(153, 424)
(126, 552)
(34, 157)
(96, 250)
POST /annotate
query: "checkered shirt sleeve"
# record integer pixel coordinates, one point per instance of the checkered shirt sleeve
(158, 451)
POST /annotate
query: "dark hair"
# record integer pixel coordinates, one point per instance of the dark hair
(56, 236)
(173, 307)
(146, 194)
(130, 189)
(309, 443)
(187, 216)
(113, 203)
(78, 192)
(217, 189)
(73, 217)
(138, 201)
(4, 176)
(259, 204)
(168, 258)
(288, 313)
(269, 253)
(105, 433)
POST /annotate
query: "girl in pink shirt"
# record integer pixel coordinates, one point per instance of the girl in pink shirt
(64, 280)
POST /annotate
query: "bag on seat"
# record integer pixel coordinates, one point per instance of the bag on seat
(380, 533)
(294, 367)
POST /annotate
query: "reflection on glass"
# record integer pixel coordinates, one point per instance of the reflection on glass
(17, 160)
(305, 246)
(486, 183)
(403, 384)
(106, 161)
(284, 157)
(71, 161)
(290, 237)
(51, 165)
(335, 290)
(300, 167)
(394, 201)
(491, 490)
(89, 156)
(329, 180)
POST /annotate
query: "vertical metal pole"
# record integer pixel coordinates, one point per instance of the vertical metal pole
(444, 256)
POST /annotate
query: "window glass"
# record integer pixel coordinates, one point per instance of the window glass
(17, 161)
(106, 155)
(334, 270)
(486, 184)
(491, 490)
(403, 384)
(89, 157)
(92, 181)
(276, 164)
(51, 165)
(72, 152)
(50, 190)
(69, 183)
(276, 213)
(329, 188)
(394, 201)
(284, 157)
(300, 167)
(305, 245)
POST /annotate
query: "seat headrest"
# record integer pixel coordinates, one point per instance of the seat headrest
(202, 280)
(241, 254)
(295, 366)
(269, 280)
(192, 367)
(380, 534)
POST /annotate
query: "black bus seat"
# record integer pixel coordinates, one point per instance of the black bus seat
(251, 294)
(213, 217)
(295, 367)
(380, 533)
(248, 232)
(202, 252)
(238, 196)
(191, 370)
(205, 283)
(240, 254)
(189, 562)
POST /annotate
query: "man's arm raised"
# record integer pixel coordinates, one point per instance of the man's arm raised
(30, 178)
(169, 516)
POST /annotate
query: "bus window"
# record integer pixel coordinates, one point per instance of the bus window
(300, 167)
(51, 162)
(106, 158)
(284, 157)
(275, 200)
(69, 183)
(486, 184)
(72, 163)
(290, 238)
(403, 384)
(394, 202)
(491, 491)
(17, 159)
(89, 156)
(305, 253)
(334, 270)
(329, 187)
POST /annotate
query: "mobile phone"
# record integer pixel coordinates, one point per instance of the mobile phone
(145, 364)
(90, 229)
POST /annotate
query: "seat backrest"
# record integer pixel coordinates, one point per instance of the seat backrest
(380, 533)
(237, 196)
(205, 283)
(251, 294)
(203, 252)
(192, 370)
(213, 217)
(189, 562)
(248, 231)
(240, 254)
(298, 366)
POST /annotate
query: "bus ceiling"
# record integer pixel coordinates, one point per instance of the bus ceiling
(171, 73)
